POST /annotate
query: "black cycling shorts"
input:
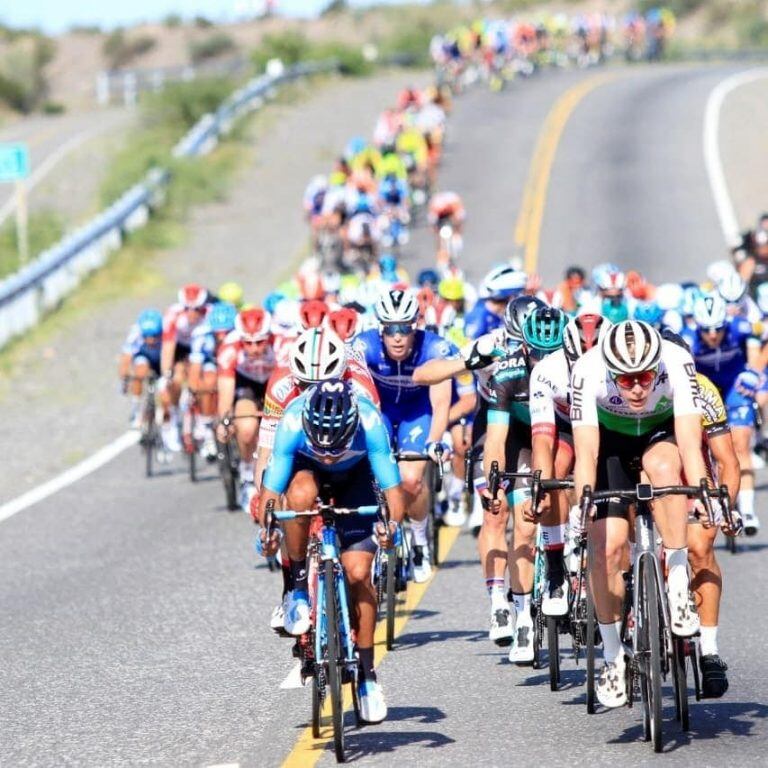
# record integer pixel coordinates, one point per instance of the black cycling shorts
(619, 462)
(248, 389)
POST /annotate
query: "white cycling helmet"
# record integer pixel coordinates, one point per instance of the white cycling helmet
(732, 288)
(631, 347)
(583, 332)
(608, 277)
(502, 283)
(397, 306)
(717, 271)
(316, 355)
(710, 311)
(285, 316)
(669, 296)
(761, 296)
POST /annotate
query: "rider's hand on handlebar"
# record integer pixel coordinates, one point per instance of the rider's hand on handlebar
(748, 382)
(385, 537)
(736, 528)
(267, 547)
(489, 503)
(437, 451)
(223, 432)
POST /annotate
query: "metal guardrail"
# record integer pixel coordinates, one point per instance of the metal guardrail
(29, 294)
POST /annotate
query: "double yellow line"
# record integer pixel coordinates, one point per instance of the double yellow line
(531, 215)
(309, 750)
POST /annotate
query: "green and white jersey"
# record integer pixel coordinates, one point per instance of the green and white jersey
(597, 401)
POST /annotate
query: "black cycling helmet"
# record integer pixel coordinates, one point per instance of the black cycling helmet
(669, 335)
(330, 415)
(575, 271)
(515, 313)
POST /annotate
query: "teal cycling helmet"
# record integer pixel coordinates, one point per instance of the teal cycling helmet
(543, 329)
(150, 323)
(222, 317)
(615, 309)
(648, 312)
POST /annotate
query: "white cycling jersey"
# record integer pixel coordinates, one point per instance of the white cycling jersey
(597, 401)
(550, 389)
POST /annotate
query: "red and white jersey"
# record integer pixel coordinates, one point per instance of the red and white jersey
(176, 325)
(281, 344)
(282, 388)
(232, 360)
(445, 204)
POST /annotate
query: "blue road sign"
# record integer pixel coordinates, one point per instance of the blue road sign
(14, 162)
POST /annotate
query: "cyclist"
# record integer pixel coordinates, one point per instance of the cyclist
(245, 362)
(447, 208)
(508, 442)
(207, 338)
(231, 293)
(552, 444)
(635, 397)
(500, 285)
(140, 355)
(733, 291)
(416, 415)
(179, 321)
(572, 292)
(330, 438)
(727, 352)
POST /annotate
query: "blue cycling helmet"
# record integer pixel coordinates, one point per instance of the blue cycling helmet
(615, 310)
(354, 147)
(428, 277)
(388, 263)
(364, 204)
(691, 292)
(648, 312)
(271, 300)
(150, 323)
(222, 317)
(330, 415)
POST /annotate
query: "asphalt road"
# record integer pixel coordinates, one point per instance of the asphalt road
(134, 622)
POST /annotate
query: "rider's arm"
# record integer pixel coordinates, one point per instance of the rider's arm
(226, 390)
(440, 398)
(287, 440)
(168, 350)
(497, 427)
(465, 405)
(728, 469)
(124, 366)
(586, 433)
(543, 426)
(437, 370)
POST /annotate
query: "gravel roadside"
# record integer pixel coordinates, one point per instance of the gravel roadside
(58, 400)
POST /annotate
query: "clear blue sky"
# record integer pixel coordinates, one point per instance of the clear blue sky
(58, 15)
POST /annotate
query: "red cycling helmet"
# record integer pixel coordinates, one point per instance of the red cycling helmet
(192, 296)
(253, 324)
(310, 285)
(343, 322)
(312, 313)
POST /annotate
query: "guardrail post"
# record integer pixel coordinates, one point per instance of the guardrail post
(103, 88)
(129, 89)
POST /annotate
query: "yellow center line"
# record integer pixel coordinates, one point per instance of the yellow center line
(309, 750)
(528, 226)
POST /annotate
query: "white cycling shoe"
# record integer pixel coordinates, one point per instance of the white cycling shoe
(456, 514)
(422, 568)
(521, 652)
(555, 599)
(277, 619)
(682, 613)
(297, 614)
(611, 688)
(475, 519)
(501, 626)
(170, 435)
(373, 708)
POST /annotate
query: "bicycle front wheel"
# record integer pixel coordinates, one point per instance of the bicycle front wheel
(391, 597)
(590, 652)
(553, 647)
(651, 639)
(681, 681)
(334, 659)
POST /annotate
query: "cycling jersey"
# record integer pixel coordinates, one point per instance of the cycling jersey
(550, 394)
(140, 351)
(480, 320)
(371, 442)
(723, 364)
(252, 371)
(444, 205)
(597, 400)
(508, 389)
(411, 142)
(203, 346)
(177, 326)
(714, 419)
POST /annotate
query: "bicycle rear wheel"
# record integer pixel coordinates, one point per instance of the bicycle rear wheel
(391, 597)
(651, 688)
(334, 659)
(590, 653)
(228, 478)
(553, 647)
(679, 653)
(317, 705)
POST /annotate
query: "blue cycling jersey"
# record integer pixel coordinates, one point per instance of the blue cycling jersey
(394, 380)
(723, 364)
(371, 442)
(202, 345)
(136, 347)
(480, 320)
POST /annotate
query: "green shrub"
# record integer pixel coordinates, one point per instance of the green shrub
(172, 20)
(53, 108)
(23, 84)
(119, 50)
(350, 58)
(411, 40)
(45, 228)
(12, 94)
(210, 47)
(202, 23)
(290, 47)
(678, 7)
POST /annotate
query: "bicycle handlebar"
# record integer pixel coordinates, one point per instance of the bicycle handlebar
(400, 456)
(289, 514)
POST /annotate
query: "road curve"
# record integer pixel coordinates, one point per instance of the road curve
(134, 624)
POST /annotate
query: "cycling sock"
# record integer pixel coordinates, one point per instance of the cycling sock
(287, 577)
(365, 664)
(299, 574)
(746, 501)
(419, 529)
(246, 471)
(522, 606)
(553, 536)
(708, 641)
(611, 636)
(677, 568)
(455, 487)
(555, 564)
(495, 588)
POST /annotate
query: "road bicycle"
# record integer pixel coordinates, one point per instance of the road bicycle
(150, 439)
(391, 578)
(327, 652)
(652, 649)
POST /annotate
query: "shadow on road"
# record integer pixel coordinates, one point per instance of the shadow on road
(417, 639)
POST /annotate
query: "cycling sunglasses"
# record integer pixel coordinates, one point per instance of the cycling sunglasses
(393, 329)
(629, 380)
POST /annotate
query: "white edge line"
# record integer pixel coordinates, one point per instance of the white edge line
(70, 476)
(725, 211)
(293, 678)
